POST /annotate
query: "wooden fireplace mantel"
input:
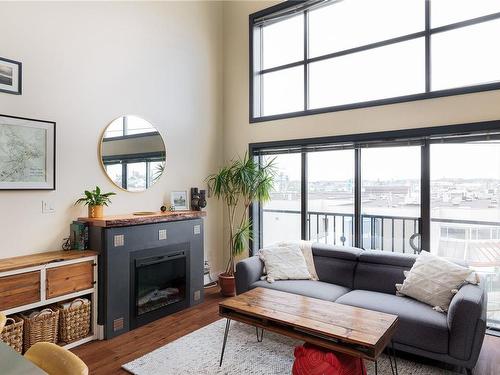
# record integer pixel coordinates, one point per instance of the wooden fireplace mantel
(131, 219)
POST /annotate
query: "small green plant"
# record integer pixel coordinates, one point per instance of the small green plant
(95, 198)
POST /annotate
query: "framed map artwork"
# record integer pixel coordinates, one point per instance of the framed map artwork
(27, 154)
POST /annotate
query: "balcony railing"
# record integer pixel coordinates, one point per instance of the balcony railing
(382, 232)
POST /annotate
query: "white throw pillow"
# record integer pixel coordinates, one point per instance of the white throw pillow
(305, 247)
(435, 280)
(284, 263)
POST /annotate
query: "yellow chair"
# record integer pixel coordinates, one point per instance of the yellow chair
(3, 319)
(55, 360)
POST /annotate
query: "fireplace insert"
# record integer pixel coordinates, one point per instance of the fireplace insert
(159, 286)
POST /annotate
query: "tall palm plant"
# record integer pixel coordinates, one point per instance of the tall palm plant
(238, 184)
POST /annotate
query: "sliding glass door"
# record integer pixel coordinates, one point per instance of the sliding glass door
(330, 197)
(465, 215)
(281, 217)
(390, 197)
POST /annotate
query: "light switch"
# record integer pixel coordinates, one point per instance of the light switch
(119, 240)
(48, 207)
(162, 234)
(197, 229)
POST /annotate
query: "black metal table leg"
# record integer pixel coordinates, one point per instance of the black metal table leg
(228, 322)
(394, 356)
(261, 337)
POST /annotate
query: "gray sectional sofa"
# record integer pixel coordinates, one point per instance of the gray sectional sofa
(367, 279)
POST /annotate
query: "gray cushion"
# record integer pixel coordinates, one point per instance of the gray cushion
(308, 288)
(419, 325)
(335, 264)
(388, 258)
(380, 271)
(338, 252)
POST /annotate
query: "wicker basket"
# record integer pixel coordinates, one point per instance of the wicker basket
(74, 320)
(12, 333)
(41, 327)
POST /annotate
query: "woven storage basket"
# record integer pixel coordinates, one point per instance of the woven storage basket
(74, 320)
(41, 327)
(12, 333)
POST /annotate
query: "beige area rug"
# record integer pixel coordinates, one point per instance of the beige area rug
(198, 354)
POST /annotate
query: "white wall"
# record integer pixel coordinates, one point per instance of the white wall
(85, 64)
(238, 132)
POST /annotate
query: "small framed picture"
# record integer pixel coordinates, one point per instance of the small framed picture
(178, 200)
(27, 154)
(10, 76)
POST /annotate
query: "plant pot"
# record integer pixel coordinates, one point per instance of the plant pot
(227, 285)
(96, 211)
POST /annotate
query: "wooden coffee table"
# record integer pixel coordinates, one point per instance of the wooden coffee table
(351, 330)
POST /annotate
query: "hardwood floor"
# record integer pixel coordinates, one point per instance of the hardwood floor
(106, 357)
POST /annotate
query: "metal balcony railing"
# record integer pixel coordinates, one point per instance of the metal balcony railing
(382, 232)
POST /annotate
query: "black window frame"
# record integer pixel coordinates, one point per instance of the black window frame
(255, 95)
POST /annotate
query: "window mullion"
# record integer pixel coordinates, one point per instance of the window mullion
(306, 55)
(427, 45)
(303, 197)
(358, 220)
(425, 198)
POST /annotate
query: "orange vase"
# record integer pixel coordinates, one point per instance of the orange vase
(96, 211)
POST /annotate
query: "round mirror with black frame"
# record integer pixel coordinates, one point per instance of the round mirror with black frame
(132, 153)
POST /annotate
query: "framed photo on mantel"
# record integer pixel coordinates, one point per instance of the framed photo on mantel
(178, 200)
(10, 76)
(27, 154)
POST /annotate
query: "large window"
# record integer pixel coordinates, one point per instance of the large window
(465, 216)
(281, 215)
(390, 197)
(432, 189)
(324, 55)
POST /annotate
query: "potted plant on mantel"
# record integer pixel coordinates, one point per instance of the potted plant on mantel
(238, 184)
(96, 201)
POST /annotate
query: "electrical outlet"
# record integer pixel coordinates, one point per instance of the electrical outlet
(119, 240)
(48, 207)
(162, 234)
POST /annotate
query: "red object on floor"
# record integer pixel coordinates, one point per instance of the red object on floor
(312, 360)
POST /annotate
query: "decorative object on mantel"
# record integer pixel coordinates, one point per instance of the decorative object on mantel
(163, 208)
(179, 200)
(11, 73)
(241, 182)
(198, 199)
(27, 154)
(96, 201)
(132, 153)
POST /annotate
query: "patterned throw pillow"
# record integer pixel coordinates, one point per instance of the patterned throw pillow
(305, 247)
(284, 263)
(434, 280)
